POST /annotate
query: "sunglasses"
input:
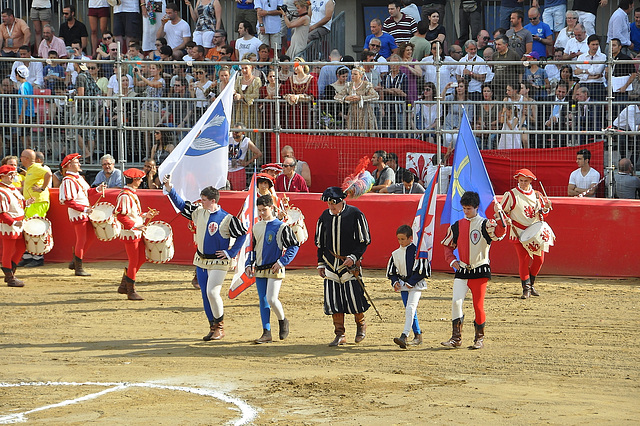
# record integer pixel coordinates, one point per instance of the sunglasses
(66, 13)
(92, 68)
(113, 50)
(287, 165)
(107, 38)
(374, 45)
(199, 72)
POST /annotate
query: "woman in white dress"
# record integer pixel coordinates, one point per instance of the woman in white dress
(152, 13)
(300, 27)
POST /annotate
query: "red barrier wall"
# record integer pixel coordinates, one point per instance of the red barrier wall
(590, 239)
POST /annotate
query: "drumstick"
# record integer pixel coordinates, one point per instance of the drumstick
(500, 212)
(545, 195)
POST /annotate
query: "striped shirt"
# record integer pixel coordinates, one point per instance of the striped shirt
(403, 30)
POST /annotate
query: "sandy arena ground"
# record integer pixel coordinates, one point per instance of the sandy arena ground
(567, 357)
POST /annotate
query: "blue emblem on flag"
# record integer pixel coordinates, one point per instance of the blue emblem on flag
(214, 134)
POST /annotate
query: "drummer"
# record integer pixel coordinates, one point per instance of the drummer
(130, 215)
(12, 205)
(525, 207)
(74, 193)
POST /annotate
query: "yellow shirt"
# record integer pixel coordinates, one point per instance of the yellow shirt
(35, 176)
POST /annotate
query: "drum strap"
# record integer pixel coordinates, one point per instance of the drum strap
(208, 256)
(518, 225)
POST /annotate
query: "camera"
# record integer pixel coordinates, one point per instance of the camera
(284, 8)
(454, 84)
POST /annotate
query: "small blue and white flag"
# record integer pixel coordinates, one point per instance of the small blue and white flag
(201, 159)
(423, 225)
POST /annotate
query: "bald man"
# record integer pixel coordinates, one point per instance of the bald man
(302, 168)
(627, 183)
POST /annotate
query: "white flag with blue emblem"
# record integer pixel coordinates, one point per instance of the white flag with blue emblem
(201, 159)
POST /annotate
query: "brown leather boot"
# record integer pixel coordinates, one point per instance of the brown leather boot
(284, 328)
(456, 335)
(212, 329)
(417, 339)
(80, 272)
(401, 341)
(265, 338)
(131, 289)
(534, 292)
(194, 280)
(478, 342)
(339, 340)
(72, 264)
(122, 289)
(361, 327)
(338, 326)
(526, 289)
(11, 279)
(218, 330)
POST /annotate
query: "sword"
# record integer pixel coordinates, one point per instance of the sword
(364, 289)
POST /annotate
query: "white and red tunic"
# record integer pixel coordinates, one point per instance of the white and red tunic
(524, 209)
(129, 213)
(74, 193)
(12, 207)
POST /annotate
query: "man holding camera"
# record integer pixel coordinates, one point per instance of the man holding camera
(269, 22)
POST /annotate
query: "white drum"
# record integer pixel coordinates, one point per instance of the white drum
(37, 235)
(105, 224)
(537, 238)
(158, 242)
(295, 220)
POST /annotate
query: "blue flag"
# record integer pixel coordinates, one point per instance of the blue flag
(467, 174)
(424, 223)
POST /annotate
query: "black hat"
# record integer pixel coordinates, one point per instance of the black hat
(333, 193)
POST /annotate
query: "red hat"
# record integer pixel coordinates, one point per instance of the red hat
(69, 158)
(265, 176)
(134, 173)
(272, 166)
(6, 169)
(526, 173)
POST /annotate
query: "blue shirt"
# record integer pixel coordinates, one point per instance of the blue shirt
(114, 181)
(541, 30)
(270, 250)
(387, 41)
(28, 103)
(635, 36)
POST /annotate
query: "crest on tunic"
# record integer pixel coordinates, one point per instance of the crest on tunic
(213, 228)
(270, 237)
(529, 212)
(475, 236)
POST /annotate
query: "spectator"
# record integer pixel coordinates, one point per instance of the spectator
(400, 26)
(300, 91)
(482, 41)
(113, 88)
(557, 120)
(151, 179)
(383, 174)
(592, 75)
(487, 118)
(619, 26)
(127, 21)
(161, 147)
(583, 181)
(51, 42)
(572, 82)
(634, 30)
(541, 33)
(175, 30)
(470, 17)
(435, 31)
(585, 117)
(553, 15)
(71, 29)
(395, 87)
(328, 72)
(413, 72)
(335, 111)
(429, 5)
(208, 17)
(219, 41)
(536, 77)
(392, 161)
(224, 75)
(302, 168)
(474, 73)
(300, 27)
(627, 185)
(188, 47)
(87, 109)
(321, 18)
(111, 176)
(268, 91)
(26, 106)
(567, 32)
(151, 109)
(246, 91)
(429, 71)
(240, 146)
(387, 42)
(100, 81)
(421, 47)
(155, 55)
(553, 70)
(520, 38)
(623, 75)
(20, 34)
(507, 7)
(453, 117)
(529, 123)
(269, 22)
(577, 45)
(176, 111)
(98, 12)
(504, 73)
(511, 117)
(202, 89)
(40, 14)
(53, 73)
(36, 76)
(152, 13)
(359, 94)
(289, 180)
(427, 112)
(245, 11)
(407, 186)
(247, 43)
(101, 49)
(410, 9)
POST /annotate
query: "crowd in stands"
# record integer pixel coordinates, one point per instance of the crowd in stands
(376, 96)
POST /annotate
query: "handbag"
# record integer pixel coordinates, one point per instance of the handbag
(469, 5)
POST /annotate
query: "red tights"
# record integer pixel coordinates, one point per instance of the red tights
(524, 269)
(136, 256)
(12, 250)
(85, 236)
(478, 287)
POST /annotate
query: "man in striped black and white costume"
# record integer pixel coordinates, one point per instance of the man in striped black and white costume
(342, 236)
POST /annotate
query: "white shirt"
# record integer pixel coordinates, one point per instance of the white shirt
(247, 46)
(272, 23)
(574, 46)
(98, 3)
(447, 72)
(412, 10)
(584, 182)
(474, 85)
(128, 6)
(619, 27)
(113, 83)
(593, 69)
(175, 33)
(35, 73)
(318, 12)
